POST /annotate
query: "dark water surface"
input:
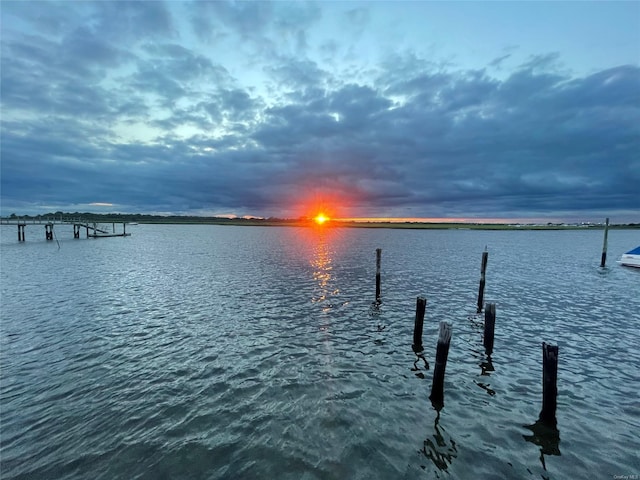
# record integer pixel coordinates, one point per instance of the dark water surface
(256, 353)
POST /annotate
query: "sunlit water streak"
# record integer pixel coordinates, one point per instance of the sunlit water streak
(249, 352)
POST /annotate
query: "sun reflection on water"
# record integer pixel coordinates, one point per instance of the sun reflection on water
(322, 263)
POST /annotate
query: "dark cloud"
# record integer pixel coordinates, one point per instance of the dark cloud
(110, 104)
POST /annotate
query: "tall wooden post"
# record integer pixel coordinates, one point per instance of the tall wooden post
(549, 384)
(124, 229)
(489, 327)
(603, 259)
(378, 262)
(442, 352)
(421, 305)
(485, 258)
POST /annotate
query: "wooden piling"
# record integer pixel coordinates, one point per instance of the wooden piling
(442, 352)
(21, 232)
(549, 384)
(48, 231)
(378, 262)
(603, 259)
(421, 305)
(489, 327)
(483, 270)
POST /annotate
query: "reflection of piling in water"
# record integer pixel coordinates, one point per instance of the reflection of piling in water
(603, 259)
(549, 384)
(547, 437)
(378, 261)
(489, 327)
(483, 270)
(421, 305)
(442, 352)
(443, 450)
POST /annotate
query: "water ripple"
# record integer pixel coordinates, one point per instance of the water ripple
(224, 352)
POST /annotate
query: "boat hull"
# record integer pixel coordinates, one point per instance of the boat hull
(631, 258)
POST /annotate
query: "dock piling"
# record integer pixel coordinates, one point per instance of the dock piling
(421, 305)
(483, 270)
(378, 262)
(549, 384)
(603, 259)
(442, 352)
(489, 327)
(48, 231)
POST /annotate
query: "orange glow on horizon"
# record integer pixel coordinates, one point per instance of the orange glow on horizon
(320, 209)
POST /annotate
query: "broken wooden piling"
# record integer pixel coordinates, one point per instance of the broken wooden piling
(442, 352)
(421, 305)
(378, 262)
(48, 231)
(485, 258)
(489, 327)
(549, 384)
(603, 259)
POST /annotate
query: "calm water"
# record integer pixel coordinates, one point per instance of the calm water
(255, 353)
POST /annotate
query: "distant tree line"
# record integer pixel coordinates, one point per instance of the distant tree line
(146, 218)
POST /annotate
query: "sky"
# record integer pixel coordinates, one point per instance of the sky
(469, 110)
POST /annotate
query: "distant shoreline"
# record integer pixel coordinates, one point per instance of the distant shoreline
(308, 223)
(394, 225)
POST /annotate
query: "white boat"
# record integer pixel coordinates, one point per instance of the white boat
(631, 258)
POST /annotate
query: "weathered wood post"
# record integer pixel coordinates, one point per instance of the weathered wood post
(483, 270)
(603, 259)
(489, 327)
(442, 352)
(549, 384)
(21, 232)
(421, 305)
(124, 229)
(378, 262)
(48, 231)
(76, 231)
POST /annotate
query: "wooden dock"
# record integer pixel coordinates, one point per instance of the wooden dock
(92, 229)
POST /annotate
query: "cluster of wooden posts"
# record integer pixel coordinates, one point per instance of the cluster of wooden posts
(48, 231)
(547, 415)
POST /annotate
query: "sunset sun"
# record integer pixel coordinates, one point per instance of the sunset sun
(320, 218)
